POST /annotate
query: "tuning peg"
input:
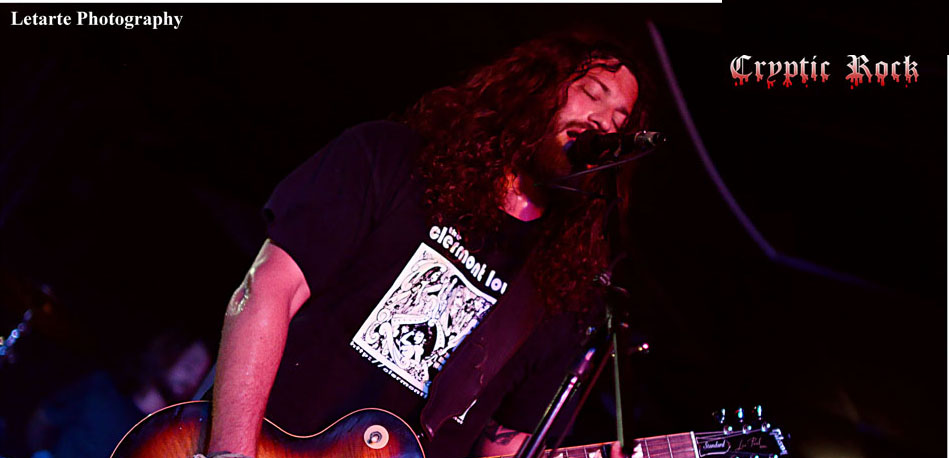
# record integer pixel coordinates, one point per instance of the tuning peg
(741, 415)
(720, 416)
(758, 411)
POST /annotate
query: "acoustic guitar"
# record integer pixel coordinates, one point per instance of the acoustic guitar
(182, 430)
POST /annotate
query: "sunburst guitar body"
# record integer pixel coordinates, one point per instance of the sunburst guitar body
(183, 430)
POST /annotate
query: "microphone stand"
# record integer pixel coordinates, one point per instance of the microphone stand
(612, 339)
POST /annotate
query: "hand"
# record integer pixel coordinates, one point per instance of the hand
(617, 452)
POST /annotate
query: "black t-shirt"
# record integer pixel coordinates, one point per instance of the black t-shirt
(391, 296)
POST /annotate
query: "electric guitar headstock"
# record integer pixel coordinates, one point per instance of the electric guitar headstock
(743, 437)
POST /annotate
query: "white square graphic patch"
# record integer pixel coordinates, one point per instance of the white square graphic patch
(426, 313)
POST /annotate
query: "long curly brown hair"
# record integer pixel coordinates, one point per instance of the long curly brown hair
(496, 121)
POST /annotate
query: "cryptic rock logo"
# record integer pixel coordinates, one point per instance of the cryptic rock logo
(787, 72)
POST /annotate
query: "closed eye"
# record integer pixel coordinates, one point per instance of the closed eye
(589, 94)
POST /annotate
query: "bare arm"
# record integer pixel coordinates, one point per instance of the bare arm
(252, 341)
(496, 440)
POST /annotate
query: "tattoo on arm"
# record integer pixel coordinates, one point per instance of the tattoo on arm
(240, 297)
(498, 434)
(242, 294)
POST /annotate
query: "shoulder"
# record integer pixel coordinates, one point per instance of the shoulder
(390, 150)
(382, 135)
(382, 127)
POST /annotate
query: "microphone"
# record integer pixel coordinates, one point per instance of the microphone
(594, 148)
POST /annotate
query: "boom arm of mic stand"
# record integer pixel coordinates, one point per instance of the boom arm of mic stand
(555, 183)
(608, 165)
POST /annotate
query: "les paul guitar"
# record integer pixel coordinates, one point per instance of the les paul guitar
(182, 430)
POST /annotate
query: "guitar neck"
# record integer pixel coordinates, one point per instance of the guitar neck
(672, 446)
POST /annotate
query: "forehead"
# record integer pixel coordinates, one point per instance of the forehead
(621, 82)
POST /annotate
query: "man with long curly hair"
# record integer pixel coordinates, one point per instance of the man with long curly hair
(424, 267)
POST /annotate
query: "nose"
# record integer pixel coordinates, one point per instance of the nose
(602, 122)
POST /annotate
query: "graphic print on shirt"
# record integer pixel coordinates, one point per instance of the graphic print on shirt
(426, 313)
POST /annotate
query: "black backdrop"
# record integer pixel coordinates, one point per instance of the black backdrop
(134, 163)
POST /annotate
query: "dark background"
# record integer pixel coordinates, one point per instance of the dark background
(133, 164)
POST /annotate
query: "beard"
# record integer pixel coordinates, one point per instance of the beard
(548, 162)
